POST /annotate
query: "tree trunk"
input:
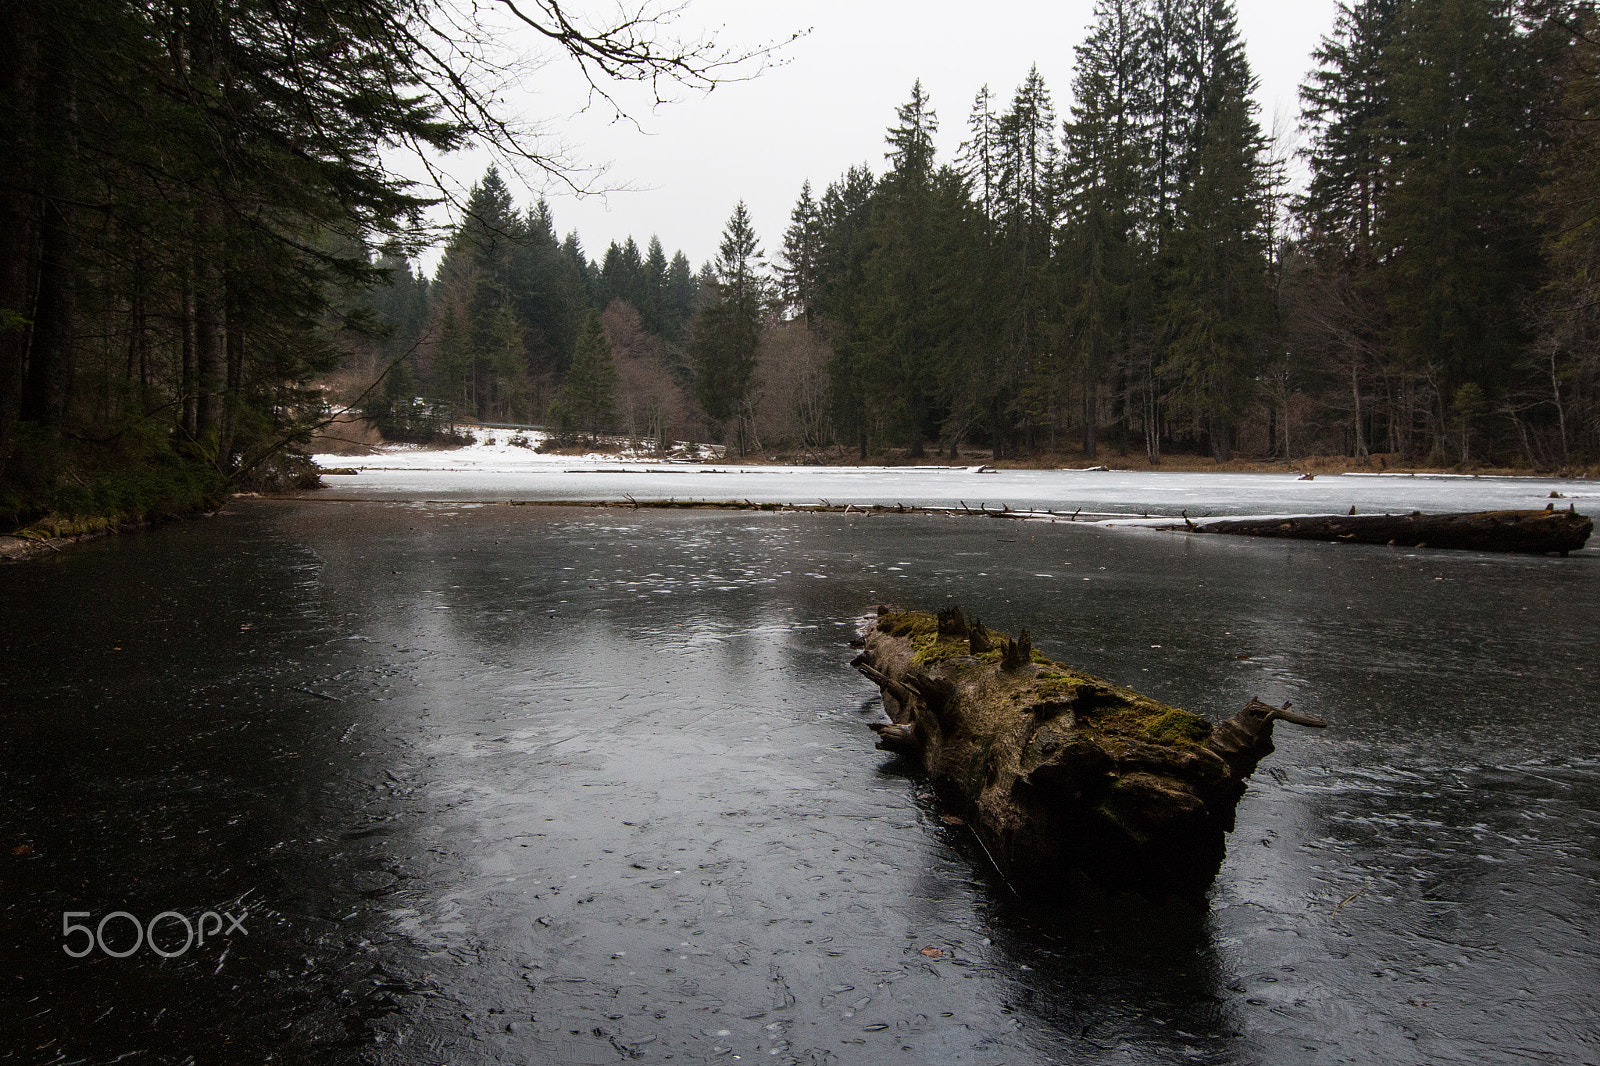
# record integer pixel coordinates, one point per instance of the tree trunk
(1221, 441)
(186, 354)
(52, 347)
(208, 337)
(233, 331)
(1561, 409)
(1152, 428)
(1091, 441)
(1361, 436)
(20, 31)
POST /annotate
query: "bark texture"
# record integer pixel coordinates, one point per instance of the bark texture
(1065, 778)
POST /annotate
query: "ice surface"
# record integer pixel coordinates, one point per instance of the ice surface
(496, 472)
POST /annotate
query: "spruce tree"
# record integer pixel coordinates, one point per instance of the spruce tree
(1344, 108)
(897, 338)
(1216, 306)
(1561, 372)
(799, 272)
(978, 154)
(1026, 211)
(1215, 261)
(680, 296)
(654, 294)
(1171, 95)
(1459, 252)
(727, 328)
(1347, 110)
(845, 213)
(588, 396)
(1107, 153)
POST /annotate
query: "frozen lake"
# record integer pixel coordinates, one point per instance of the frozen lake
(490, 474)
(564, 785)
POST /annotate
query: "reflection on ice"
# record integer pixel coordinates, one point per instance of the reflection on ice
(620, 799)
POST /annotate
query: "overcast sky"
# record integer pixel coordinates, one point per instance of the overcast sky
(826, 104)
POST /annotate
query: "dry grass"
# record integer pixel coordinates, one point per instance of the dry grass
(346, 436)
(1181, 463)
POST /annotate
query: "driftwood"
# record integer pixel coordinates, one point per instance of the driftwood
(1492, 531)
(1064, 777)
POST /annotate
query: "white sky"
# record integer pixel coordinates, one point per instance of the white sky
(826, 106)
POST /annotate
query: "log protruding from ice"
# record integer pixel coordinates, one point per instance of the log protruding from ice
(1528, 532)
(1066, 778)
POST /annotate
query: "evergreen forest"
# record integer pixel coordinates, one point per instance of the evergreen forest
(204, 258)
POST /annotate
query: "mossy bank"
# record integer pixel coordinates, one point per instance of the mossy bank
(58, 494)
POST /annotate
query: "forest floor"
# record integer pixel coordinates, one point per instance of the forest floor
(361, 439)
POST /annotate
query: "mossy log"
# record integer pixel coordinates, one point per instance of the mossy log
(1064, 777)
(1533, 532)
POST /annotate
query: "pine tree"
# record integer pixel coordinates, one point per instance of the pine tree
(1344, 106)
(799, 273)
(1026, 214)
(727, 328)
(1346, 109)
(1107, 148)
(977, 156)
(1459, 254)
(1215, 262)
(1216, 310)
(845, 213)
(681, 289)
(588, 396)
(1561, 379)
(897, 332)
(654, 295)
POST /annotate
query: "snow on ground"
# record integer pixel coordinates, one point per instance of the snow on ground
(494, 450)
(499, 471)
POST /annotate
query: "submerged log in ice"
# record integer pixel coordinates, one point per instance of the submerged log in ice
(1491, 531)
(1063, 776)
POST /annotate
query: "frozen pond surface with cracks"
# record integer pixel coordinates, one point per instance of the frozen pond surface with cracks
(563, 785)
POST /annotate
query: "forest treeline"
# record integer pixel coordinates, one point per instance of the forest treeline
(198, 236)
(199, 215)
(1135, 272)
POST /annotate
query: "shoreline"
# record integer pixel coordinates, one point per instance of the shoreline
(1103, 519)
(34, 542)
(1378, 464)
(20, 548)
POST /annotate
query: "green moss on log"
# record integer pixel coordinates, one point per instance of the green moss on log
(1062, 774)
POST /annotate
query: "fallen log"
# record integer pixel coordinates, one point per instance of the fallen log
(1064, 777)
(1533, 532)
